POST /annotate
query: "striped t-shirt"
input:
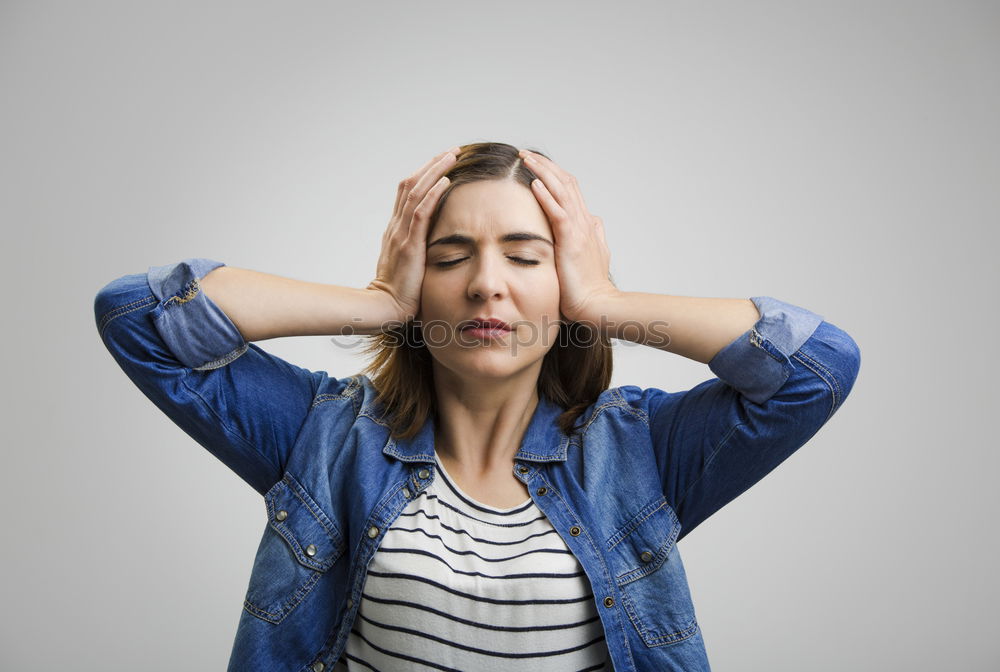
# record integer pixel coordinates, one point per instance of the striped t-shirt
(459, 585)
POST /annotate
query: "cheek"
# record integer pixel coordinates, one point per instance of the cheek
(543, 296)
(433, 288)
(548, 290)
(438, 296)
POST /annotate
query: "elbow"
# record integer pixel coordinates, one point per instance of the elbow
(118, 296)
(851, 364)
(835, 358)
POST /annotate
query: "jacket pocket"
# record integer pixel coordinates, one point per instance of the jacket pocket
(651, 578)
(299, 545)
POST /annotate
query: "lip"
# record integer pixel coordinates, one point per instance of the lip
(485, 323)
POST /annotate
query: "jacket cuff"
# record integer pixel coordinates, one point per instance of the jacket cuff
(758, 362)
(195, 329)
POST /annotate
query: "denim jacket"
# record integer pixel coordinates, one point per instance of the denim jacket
(646, 468)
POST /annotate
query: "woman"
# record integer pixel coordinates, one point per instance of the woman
(478, 498)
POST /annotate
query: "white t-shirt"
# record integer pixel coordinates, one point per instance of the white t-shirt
(459, 585)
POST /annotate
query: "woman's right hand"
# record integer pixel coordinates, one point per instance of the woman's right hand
(400, 270)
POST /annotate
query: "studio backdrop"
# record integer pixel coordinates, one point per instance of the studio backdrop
(839, 156)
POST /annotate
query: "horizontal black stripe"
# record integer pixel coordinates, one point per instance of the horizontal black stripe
(479, 520)
(524, 575)
(477, 598)
(484, 652)
(476, 624)
(564, 551)
(429, 516)
(412, 659)
(360, 662)
(341, 664)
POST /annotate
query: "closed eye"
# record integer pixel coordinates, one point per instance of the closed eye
(517, 260)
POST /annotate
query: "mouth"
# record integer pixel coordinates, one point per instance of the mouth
(486, 328)
(485, 324)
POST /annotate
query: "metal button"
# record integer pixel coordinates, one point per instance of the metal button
(609, 601)
(523, 469)
(575, 531)
(406, 493)
(372, 531)
(542, 491)
(310, 550)
(281, 515)
(423, 473)
(350, 603)
(646, 556)
(318, 666)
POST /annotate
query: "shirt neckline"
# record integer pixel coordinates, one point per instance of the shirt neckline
(472, 499)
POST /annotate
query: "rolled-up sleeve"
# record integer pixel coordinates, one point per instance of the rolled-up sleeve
(759, 361)
(195, 329)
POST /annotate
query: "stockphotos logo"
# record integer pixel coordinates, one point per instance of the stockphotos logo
(439, 333)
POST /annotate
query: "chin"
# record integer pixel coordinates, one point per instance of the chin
(493, 365)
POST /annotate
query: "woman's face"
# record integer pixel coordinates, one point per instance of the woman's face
(474, 272)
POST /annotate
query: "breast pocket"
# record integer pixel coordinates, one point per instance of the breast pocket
(299, 545)
(650, 576)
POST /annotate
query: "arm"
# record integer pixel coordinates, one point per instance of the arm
(777, 384)
(690, 326)
(185, 353)
(264, 306)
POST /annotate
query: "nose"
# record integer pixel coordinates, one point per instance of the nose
(487, 281)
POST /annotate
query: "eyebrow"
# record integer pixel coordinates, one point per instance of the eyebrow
(461, 239)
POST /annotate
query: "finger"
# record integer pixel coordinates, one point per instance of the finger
(599, 226)
(566, 178)
(547, 162)
(551, 181)
(579, 197)
(555, 212)
(415, 195)
(422, 213)
(571, 184)
(566, 192)
(401, 191)
(427, 166)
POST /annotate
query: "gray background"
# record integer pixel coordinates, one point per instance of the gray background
(839, 156)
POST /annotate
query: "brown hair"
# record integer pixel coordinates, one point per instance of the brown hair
(574, 371)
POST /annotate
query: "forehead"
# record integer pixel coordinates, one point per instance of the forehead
(491, 207)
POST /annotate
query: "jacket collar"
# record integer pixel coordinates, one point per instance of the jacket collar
(543, 441)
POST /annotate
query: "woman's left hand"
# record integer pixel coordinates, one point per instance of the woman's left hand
(581, 251)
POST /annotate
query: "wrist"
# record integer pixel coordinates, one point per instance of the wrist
(387, 311)
(600, 309)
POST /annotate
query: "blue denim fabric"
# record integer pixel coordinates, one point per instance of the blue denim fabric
(647, 467)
